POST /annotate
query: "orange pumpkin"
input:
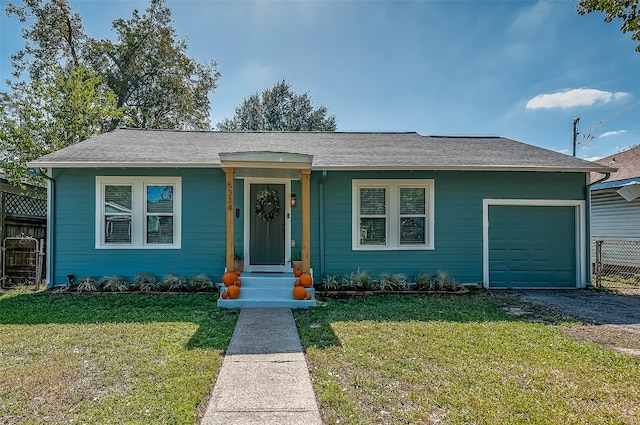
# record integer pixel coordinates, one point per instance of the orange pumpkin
(224, 295)
(297, 272)
(238, 273)
(306, 280)
(296, 283)
(299, 293)
(234, 292)
(229, 278)
(308, 296)
(238, 283)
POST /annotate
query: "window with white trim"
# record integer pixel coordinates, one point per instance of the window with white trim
(392, 214)
(138, 212)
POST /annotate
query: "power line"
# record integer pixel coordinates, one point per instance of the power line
(590, 133)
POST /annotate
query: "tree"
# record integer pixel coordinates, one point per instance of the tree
(627, 10)
(56, 37)
(153, 79)
(67, 87)
(54, 99)
(53, 111)
(278, 109)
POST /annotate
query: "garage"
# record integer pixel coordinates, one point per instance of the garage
(533, 244)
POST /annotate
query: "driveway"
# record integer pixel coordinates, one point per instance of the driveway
(601, 308)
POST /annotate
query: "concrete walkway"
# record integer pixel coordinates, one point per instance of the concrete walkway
(264, 377)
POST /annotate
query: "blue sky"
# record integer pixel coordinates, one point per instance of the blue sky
(518, 69)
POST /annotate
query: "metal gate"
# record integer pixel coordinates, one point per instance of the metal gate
(617, 262)
(21, 261)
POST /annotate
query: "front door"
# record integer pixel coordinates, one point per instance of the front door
(267, 225)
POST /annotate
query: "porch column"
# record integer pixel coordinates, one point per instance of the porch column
(306, 221)
(229, 173)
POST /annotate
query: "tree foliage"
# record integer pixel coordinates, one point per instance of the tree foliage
(278, 109)
(626, 10)
(148, 69)
(67, 87)
(56, 37)
(53, 111)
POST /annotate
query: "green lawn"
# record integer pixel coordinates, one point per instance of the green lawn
(108, 358)
(459, 359)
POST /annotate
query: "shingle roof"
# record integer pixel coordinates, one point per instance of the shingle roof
(627, 163)
(162, 148)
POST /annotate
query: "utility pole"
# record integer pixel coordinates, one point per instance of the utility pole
(574, 140)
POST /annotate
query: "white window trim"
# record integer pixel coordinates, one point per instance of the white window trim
(392, 196)
(138, 207)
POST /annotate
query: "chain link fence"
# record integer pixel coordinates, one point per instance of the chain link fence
(616, 263)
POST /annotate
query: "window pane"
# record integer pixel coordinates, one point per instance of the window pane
(160, 199)
(117, 199)
(372, 201)
(117, 229)
(373, 231)
(159, 229)
(412, 200)
(412, 230)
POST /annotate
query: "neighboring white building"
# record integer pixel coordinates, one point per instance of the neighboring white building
(615, 209)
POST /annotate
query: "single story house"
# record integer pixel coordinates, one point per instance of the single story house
(485, 210)
(615, 210)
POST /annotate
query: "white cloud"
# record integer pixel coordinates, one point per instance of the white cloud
(574, 97)
(612, 133)
(592, 158)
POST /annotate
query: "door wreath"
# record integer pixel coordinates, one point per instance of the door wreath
(267, 204)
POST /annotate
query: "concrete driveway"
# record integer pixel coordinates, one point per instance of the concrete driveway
(601, 308)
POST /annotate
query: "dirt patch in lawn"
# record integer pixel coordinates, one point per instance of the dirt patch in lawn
(606, 318)
(613, 337)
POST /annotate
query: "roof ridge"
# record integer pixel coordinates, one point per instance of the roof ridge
(169, 130)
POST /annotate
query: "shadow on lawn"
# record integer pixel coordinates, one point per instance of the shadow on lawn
(215, 325)
(314, 325)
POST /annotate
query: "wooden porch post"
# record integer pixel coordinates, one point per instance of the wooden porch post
(229, 173)
(306, 222)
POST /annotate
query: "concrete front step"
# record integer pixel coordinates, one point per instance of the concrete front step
(266, 291)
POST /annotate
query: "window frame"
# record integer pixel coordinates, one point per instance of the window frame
(138, 211)
(393, 216)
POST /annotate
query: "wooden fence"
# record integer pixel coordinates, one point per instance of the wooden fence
(23, 216)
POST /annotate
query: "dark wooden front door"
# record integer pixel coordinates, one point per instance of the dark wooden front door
(267, 245)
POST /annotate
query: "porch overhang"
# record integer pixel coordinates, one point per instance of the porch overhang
(268, 164)
(266, 160)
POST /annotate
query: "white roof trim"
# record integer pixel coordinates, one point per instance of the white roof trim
(266, 157)
(95, 164)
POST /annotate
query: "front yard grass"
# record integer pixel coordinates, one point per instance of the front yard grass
(460, 359)
(109, 358)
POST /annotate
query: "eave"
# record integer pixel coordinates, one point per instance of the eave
(519, 168)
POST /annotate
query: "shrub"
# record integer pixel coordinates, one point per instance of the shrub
(331, 282)
(392, 282)
(113, 284)
(87, 284)
(201, 282)
(360, 279)
(444, 282)
(146, 282)
(173, 282)
(424, 282)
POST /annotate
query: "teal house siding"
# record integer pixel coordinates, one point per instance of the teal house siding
(203, 227)
(458, 219)
(458, 231)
